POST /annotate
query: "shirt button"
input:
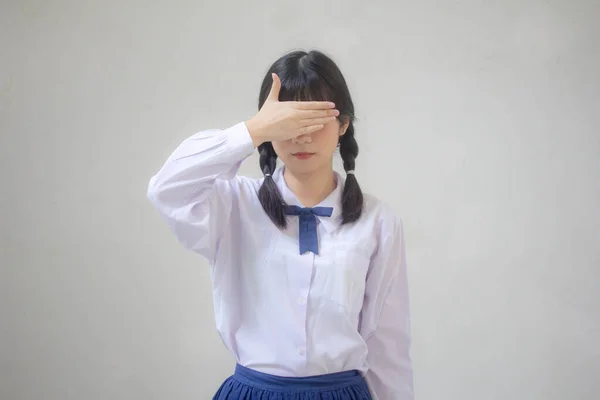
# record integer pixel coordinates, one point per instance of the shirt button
(301, 300)
(300, 351)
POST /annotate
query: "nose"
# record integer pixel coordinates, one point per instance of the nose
(302, 139)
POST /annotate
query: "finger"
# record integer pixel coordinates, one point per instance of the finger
(313, 105)
(317, 121)
(310, 129)
(308, 114)
(275, 87)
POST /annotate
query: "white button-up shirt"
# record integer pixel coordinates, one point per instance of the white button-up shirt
(278, 311)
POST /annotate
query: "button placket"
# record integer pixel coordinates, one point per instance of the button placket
(303, 275)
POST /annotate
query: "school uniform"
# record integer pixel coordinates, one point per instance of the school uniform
(318, 308)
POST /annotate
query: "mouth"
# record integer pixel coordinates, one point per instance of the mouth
(303, 155)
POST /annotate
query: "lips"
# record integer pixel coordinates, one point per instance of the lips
(303, 155)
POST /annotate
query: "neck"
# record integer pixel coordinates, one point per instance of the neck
(311, 188)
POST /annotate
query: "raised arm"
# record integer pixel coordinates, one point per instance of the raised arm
(196, 187)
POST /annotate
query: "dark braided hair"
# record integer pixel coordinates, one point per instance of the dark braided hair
(352, 197)
(311, 76)
(268, 194)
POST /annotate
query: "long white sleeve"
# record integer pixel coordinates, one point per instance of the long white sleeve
(386, 319)
(194, 190)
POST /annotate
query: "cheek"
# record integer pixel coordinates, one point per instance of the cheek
(327, 139)
(282, 148)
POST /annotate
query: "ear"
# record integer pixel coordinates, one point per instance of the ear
(344, 127)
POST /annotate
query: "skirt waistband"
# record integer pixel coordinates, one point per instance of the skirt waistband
(272, 382)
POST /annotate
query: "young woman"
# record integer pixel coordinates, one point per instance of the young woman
(308, 273)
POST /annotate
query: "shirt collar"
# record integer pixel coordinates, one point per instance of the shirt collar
(334, 200)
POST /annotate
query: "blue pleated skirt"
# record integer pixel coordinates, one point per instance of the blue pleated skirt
(247, 384)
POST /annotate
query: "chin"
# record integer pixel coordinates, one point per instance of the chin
(301, 167)
(303, 170)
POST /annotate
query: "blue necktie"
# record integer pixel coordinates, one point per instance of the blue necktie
(307, 227)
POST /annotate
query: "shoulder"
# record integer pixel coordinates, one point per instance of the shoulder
(380, 212)
(244, 192)
(383, 222)
(246, 207)
(248, 184)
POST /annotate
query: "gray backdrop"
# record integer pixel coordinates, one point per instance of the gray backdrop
(478, 121)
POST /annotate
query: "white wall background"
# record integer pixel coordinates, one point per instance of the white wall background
(479, 122)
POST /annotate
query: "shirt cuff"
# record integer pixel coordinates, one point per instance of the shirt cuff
(239, 141)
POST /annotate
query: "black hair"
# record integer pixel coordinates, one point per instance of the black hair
(310, 76)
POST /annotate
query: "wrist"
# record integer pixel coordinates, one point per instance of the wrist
(255, 131)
